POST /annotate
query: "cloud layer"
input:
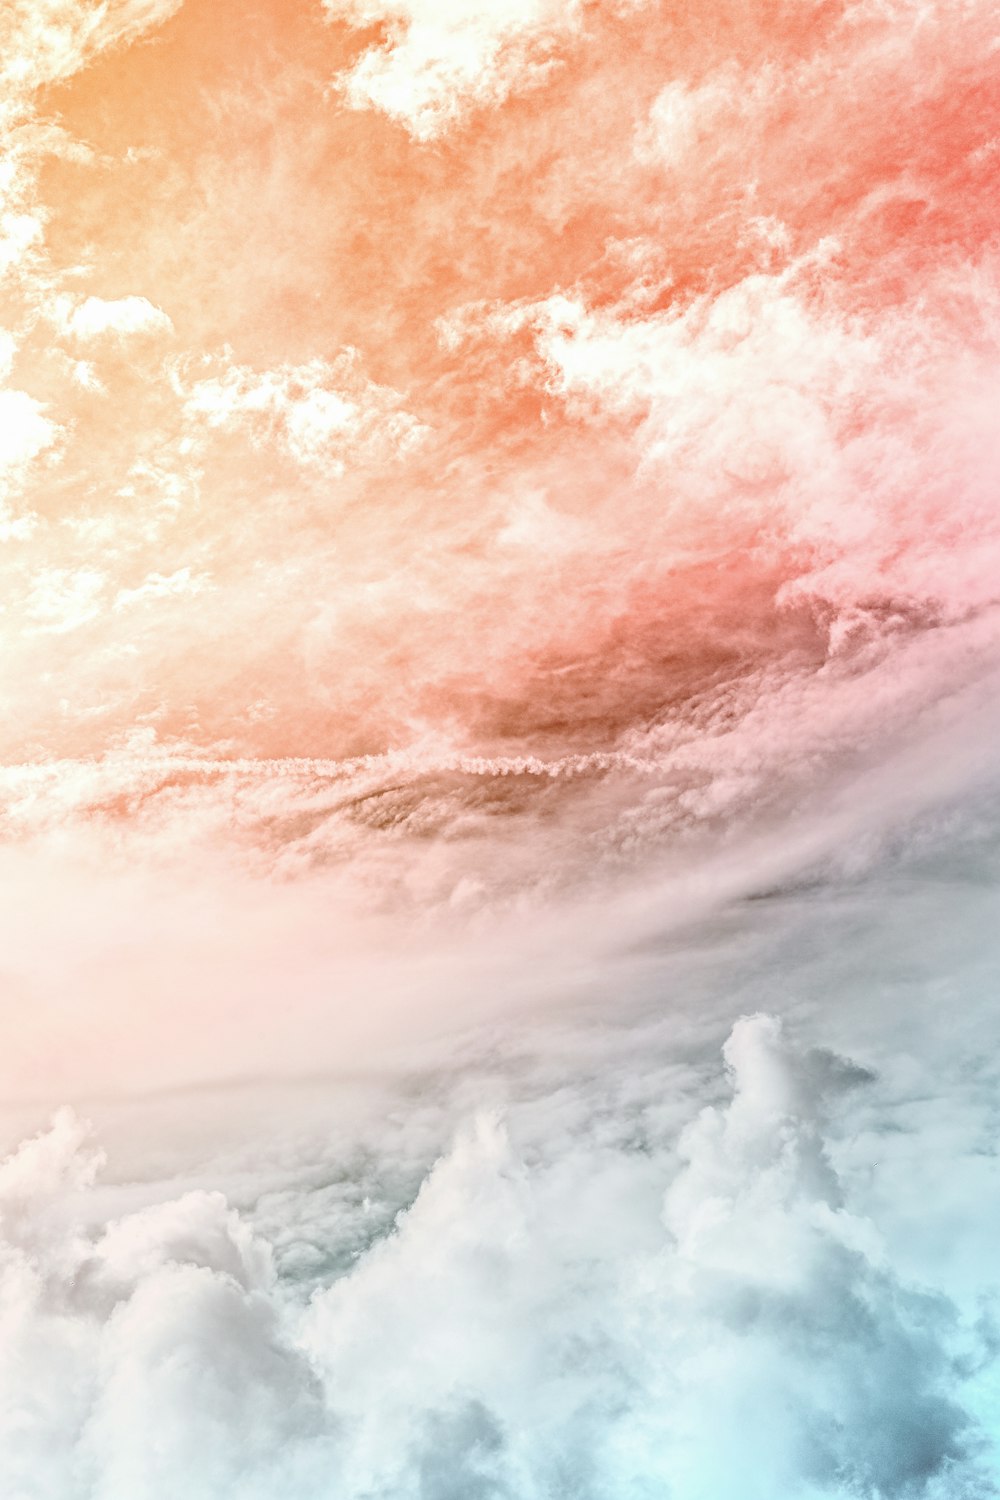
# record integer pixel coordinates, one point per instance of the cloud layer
(650, 464)
(498, 557)
(735, 1329)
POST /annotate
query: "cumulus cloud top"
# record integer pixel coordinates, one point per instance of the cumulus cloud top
(480, 1345)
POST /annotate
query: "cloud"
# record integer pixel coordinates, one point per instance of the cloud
(640, 509)
(61, 600)
(160, 586)
(788, 424)
(417, 756)
(324, 413)
(768, 1298)
(761, 1229)
(810, 489)
(25, 430)
(736, 1329)
(440, 61)
(122, 318)
(45, 41)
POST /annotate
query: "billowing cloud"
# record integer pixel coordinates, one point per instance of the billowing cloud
(26, 431)
(441, 60)
(752, 417)
(739, 1330)
(123, 317)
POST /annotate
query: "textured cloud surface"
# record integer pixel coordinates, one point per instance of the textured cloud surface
(499, 541)
(438, 60)
(737, 1330)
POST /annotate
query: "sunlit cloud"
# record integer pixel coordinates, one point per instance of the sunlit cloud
(440, 61)
(94, 318)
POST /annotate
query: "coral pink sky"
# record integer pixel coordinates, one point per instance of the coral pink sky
(532, 379)
(469, 454)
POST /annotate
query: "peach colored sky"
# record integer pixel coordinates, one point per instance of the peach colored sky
(600, 395)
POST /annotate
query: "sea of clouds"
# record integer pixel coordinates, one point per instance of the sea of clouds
(656, 1299)
(701, 1211)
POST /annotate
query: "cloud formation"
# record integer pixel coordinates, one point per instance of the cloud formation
(52, 40)
(498, 556)
(737, 1330)
(125, 317)
(642, 502)
(439, 61)
(320, 413)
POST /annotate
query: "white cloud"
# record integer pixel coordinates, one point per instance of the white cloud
(121, 317)
(686, 123)
(323, 414)
(25, 430)
(791, 428)
(161, 586)
(708, 1316)
(578, 1296)
(63, 599)
(44, 41)
(444, 57)
(18, 234)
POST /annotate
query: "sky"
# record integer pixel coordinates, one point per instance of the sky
(499, 815)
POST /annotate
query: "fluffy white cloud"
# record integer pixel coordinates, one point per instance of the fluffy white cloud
(160, 586)
(849, 451)
(19, 232)
(120, 317)
(25, 430)
(444, 57)
(697, 585)
(731, 1329)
